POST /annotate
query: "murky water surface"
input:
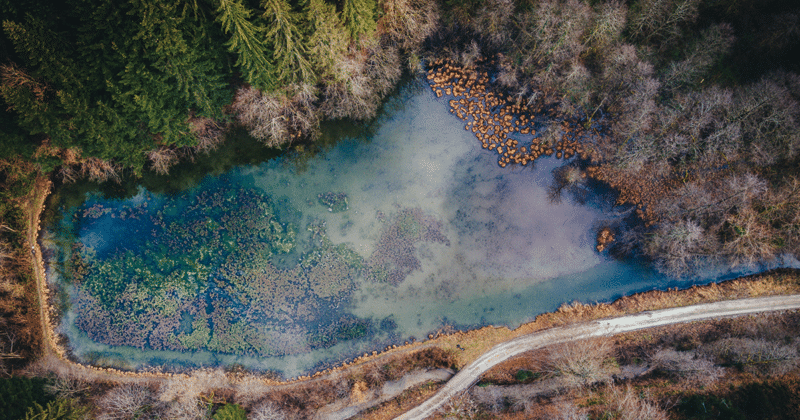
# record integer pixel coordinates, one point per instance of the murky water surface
(296, 267)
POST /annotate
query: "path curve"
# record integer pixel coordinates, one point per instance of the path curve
(601, 328)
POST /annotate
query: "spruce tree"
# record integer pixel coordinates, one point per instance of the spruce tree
(46, 92)
(139, 101)
(358, 17)
(286, 40)
(116, 80)
(247, 42)
(327, 39)
(177, 43)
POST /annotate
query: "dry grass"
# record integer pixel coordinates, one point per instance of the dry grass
(190, 388)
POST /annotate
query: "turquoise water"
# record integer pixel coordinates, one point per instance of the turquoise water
(288, 267)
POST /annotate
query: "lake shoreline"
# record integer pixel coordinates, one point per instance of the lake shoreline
(772, 282)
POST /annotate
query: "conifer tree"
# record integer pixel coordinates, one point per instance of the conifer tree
(141, 100)
(51, 97)
(247, 42)
(286, 40)
(177, 41)
(115, 80)
(327, 40)
(358, 17)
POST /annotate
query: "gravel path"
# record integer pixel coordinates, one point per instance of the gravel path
(607, 327)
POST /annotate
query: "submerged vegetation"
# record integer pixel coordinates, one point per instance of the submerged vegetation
(196, 271)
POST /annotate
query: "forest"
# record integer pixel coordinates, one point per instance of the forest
(688, 108)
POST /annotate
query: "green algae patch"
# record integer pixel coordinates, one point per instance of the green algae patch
(194, 272)
(335, 202)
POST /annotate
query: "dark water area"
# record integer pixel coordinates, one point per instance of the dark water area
(297, 261)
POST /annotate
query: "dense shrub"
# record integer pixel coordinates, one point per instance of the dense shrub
(230, 412)
(60, 409)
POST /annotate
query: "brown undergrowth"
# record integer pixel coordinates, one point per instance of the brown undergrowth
(20, 329)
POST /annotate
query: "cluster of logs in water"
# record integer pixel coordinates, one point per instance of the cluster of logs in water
(500, 122)
(494, 117)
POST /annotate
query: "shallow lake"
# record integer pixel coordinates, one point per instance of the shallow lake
(294, 267)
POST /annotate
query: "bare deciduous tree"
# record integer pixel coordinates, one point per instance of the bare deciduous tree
(67, 387)
(567, 410)
(408, 22)
(209, 133)
(758, 356)
(460, 407)
(677, 246)
(267, 411)
(687, 365)
(126, 402)
(767, 112)
(550, 38)
(494, 20)
(607, 25)
(629, 406)
(100, 170)
(162, 158)
(750, 240)
(713, 44)
(262, 114)
(661, 20)
(581, 363)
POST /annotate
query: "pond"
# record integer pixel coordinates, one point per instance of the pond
(296, 265)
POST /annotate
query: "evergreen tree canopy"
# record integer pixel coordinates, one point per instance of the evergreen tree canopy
(127, 84)
(358, 17)
(286, 39)
(247, 42)
(327, 40)
(113, 80)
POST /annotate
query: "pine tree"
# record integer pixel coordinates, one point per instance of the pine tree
(176, 40)
(358, 17)
(327, 39)
(116, 80)
(247, 42)
(141, 102)
(61, 409)
(286, 41)
(47, 93)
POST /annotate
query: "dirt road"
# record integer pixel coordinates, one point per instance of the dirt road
(501, 352)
